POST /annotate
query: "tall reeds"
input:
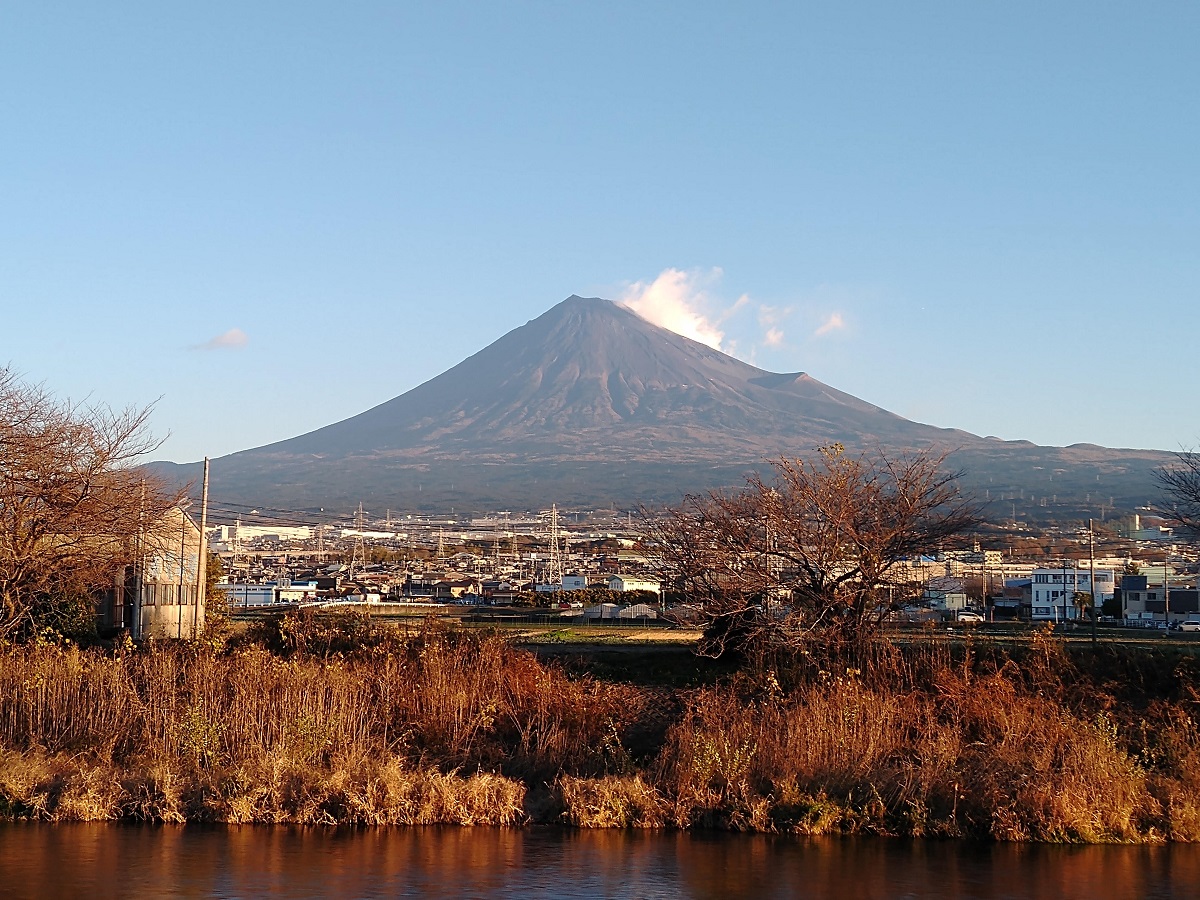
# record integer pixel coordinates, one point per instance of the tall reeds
(250, 736)
(465, 728)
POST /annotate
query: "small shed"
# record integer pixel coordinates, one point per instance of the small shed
(161, 594)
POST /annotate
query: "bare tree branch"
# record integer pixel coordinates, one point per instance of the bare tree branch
(73, 505)
(811, 552)
(1180, 485)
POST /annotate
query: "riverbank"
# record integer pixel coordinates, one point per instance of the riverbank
(357, 724)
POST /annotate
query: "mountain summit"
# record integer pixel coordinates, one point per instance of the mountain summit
(589, 404)
(592, 377)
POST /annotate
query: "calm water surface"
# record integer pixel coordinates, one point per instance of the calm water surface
(97, 861)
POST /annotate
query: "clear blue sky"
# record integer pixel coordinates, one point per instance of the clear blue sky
(271, 216)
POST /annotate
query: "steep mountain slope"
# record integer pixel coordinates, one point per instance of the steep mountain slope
(592, 377)
(589, 404)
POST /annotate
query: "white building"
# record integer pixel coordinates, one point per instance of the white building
(268, 593)
(1053, 591)
(296, 591)
(248, 594)
(228, 534)
(632, 583)
(1137, 530)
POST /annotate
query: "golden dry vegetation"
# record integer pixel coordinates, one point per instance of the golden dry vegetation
(353, 723)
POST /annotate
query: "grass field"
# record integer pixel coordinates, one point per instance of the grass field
(412, 619)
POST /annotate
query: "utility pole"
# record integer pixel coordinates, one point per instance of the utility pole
(202, 560)
(1166, 594)
(1074, 582)
(136, 619)
(1165, 515)
(983, 576)
(183, 520)
(1092, 576)
(1064, 592)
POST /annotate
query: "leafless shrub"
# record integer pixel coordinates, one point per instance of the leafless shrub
(809, 553)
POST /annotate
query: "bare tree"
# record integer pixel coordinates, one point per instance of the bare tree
(73, 504)
(1180, 485)
(811, 553)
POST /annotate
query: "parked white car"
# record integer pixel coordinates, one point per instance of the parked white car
(967, 617)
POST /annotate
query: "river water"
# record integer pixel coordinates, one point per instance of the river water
(98, 861)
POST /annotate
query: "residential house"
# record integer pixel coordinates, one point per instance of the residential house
(1055, 591)
(945, 594)
(1143, 603)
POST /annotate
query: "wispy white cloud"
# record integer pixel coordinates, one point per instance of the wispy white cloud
(738, 305)
(769, 319)
(677, 300)
(771, 315)
(830, 325)
(228, 340)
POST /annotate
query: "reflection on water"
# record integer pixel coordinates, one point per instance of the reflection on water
(99, 861)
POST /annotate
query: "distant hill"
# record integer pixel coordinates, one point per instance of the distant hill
(589, 405)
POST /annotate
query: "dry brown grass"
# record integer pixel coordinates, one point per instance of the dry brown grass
(62, 788)
(616, 801)
(446, 728)
(182, 733)
(928, 748)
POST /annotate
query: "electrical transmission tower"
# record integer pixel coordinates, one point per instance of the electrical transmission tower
(358, 559)
(554, 572)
